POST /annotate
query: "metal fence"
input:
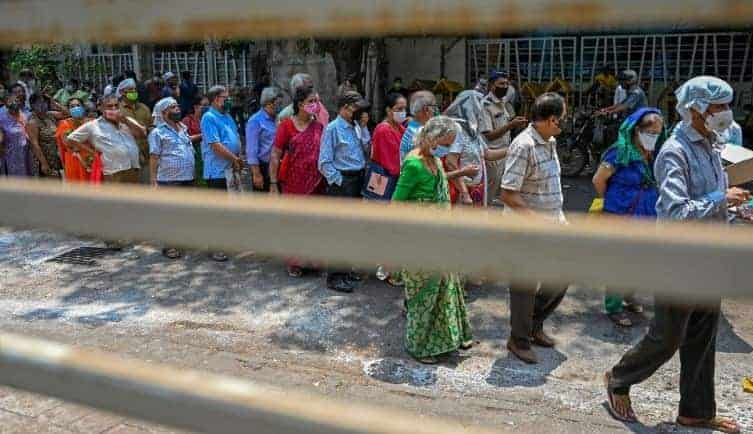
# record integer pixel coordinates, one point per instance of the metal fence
(540, 60)
(209, 67)
(100, 68)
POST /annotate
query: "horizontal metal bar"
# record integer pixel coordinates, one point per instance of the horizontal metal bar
(193, 400)
(672, 258)
(57, 21)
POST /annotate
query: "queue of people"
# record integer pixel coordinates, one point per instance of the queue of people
(478, 152)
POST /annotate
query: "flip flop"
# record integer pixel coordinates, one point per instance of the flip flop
(715, 424)
(612, 411)
(620, 319)
(172, 253)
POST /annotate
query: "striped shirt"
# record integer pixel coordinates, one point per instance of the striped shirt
(532, 168)
(175, 152)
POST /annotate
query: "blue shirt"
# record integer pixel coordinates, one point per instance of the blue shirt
(692, 182)
(626, 194)
(341, 150)
(406, 144)
(177, 162)
(217, 127)
(260, 136)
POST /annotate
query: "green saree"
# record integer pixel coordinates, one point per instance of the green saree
(437, 319)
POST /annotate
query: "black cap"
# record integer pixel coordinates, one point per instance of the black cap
(354, 98)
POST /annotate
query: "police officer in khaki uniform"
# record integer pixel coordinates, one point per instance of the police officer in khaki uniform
(496, 122)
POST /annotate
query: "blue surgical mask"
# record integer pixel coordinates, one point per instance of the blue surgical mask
(78, 112)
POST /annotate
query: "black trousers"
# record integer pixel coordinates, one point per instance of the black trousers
(692, 330)
(352, 183)
(264, 169)
(529, 309)
(217, 184)
(190, 183)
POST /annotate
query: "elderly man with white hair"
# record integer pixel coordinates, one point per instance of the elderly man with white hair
(260, 136)
(131, 107)
(423, 106)
(692, 186)
(300, 81)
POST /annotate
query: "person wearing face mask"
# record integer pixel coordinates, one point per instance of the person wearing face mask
(692, 186)
(260, 136)
(171, 153)
(77, 163)
(635, 97)
(385, 147)
(129, 103)
(342, 161)
(302, 81)
(496, 123)
(41, 131)
(625, 179)
(220, 144)
(29, 83)
(423, 106)
(294, 162)
(531, 187)
(70, 90)
(3, 92)
(16, 153)
(114, 136)
(437, 321)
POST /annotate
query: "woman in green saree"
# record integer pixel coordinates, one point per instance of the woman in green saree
(437, 320)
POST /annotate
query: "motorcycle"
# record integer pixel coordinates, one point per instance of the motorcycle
(591, 133)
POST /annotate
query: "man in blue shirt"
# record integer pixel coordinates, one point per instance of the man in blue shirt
(423, 106)
(342, 160)
(260, 136)
(220, 143)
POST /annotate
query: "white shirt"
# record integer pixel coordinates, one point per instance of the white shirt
(620, 95)
(117, 145)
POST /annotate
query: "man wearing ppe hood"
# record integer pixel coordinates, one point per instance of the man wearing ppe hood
(692, 186)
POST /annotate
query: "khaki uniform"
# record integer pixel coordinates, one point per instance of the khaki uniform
(143, 115)
(495, 114)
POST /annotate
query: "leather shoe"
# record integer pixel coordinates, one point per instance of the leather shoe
(542, 339)
(524, 354)
(339, 284)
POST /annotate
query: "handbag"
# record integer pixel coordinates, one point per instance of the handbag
(378, 183)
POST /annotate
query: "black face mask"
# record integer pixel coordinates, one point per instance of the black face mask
(175, 116)
(500, 92)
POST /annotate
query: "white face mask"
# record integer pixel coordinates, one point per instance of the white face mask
(719, 122)
(648, 140)
(398, 117)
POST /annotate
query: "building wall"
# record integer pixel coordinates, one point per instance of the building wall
(286, 60)
(420, 58)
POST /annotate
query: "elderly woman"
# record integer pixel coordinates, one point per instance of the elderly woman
(385, 149)
(171, 160)
(77, 162)
(295, 155)
(692, 186)
(260, 136)
(625, 179)
(437, 320)
(469, 150)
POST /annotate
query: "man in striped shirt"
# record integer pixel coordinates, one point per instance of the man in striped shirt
(531, 185)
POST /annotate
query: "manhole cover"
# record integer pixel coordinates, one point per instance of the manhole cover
(82, 255)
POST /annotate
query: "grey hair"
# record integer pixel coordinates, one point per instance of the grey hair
(420, 100)
(298, 81)
(435, 129)
(268, 95)
(214, 92)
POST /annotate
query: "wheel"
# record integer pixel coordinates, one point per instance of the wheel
(572, 159)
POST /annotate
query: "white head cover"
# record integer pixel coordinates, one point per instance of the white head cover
(125, 84)
(160, 107)
(168, 75)
(700, 92)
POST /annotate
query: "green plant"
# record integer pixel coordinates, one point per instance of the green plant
(47, 62)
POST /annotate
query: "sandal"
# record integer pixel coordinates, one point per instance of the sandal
(466, 345)
(172, 253)
(620, 319)
(219, 257)
(633, 307)
(715, 424)
(294, 271)
(394, 281)
(630, 418)
(428, 360)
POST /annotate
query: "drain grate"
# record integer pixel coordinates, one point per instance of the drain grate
(82, 255)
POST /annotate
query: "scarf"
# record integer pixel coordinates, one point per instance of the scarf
(627, 151)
